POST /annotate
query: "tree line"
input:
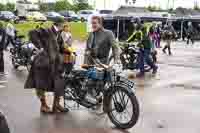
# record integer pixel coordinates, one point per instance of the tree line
(7, 7)
(60, 5)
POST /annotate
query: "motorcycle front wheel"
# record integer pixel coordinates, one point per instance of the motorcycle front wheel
(123, 108)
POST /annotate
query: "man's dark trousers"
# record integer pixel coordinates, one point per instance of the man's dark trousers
(190, 38)
(147, 58)
(1, 61)
(141, 60)
(144, 56)
(10, 39)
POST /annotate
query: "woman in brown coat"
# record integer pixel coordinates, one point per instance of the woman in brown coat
(47, 68)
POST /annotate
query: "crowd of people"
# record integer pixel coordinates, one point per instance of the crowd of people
(55, 58)
(56, 55)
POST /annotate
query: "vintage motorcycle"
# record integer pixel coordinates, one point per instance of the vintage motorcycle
(129, 57)
(94, 84)
(22, 53)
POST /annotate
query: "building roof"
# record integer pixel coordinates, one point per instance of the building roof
(183, 12)
(130, 11)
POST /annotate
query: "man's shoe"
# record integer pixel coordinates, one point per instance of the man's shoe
(45, 110)
(164, 51)
(57, 108)
(155, 70)
(44, 107)
(60, 109)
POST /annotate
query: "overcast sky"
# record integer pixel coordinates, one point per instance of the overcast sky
(113, 4)
(164, 3)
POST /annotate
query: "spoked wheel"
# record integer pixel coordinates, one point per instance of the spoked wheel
(124, 108)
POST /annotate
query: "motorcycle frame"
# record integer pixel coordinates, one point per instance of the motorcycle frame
(109, 87)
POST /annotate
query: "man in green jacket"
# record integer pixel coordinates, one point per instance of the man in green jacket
(145, 46)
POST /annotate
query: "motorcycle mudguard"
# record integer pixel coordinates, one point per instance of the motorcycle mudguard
(110, 91)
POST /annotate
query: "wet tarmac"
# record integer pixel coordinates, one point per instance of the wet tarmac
(169, 101)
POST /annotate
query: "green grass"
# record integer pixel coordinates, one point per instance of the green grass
(24, 28)
(79, 31)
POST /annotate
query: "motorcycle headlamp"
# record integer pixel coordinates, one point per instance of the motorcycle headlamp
(30, 45)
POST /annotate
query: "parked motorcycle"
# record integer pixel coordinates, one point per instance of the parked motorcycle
(98, 83)
(129, 57)
(22, 53)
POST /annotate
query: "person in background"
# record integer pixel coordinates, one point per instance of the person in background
(145, 52)
(153, 38)
(152, 35)
(137, 33)
(169, 34)
(158, 36)
(69, 57)
(137, 36)
(2, 46)
(10, 32)
(190, 33)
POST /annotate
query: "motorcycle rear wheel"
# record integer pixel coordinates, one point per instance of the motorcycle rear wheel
(120, 107)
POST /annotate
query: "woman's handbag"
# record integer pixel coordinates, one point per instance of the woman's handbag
(69, 56)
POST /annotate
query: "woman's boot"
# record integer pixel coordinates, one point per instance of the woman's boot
(44, 107)
(57, 108)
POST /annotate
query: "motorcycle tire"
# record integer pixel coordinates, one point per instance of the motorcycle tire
(134, 118)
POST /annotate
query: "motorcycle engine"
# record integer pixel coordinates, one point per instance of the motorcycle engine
(94, 87)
